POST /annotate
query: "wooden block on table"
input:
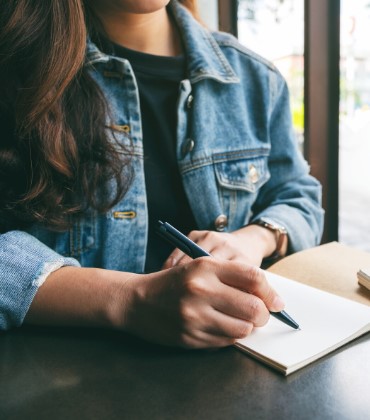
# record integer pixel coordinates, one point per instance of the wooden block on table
(332, 267)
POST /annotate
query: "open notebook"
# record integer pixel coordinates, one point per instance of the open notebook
(326, 321)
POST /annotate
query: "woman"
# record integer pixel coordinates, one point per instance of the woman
(115, 114)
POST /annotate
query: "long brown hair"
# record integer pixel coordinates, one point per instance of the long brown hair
(55, 154)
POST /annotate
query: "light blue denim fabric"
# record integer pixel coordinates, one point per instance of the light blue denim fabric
(244, 164)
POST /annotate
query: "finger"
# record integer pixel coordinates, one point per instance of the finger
(204, 284)
(223, 325)
(170, 261)
(245, 277)
(253, 280)
(183, 260)
(215, 329)
(173, 258)
(226, 253)
(177, 257)
(209, 240)
(197, 235)
(223, 246)
(219, 246)
(239, 304)
(231, 254)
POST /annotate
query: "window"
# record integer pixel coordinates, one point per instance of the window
(354, 150)
(275, 30)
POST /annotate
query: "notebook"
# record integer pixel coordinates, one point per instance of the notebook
(327, 322)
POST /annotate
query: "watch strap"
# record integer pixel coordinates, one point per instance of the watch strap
(280, 234)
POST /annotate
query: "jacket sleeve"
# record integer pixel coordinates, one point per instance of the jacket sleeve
(291, 197)
(25, 263)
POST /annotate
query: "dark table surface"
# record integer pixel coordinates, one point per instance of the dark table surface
(96, 374)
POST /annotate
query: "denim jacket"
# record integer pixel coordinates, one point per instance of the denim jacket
(236, 152)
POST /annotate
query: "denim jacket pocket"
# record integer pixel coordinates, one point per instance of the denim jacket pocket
(243, 174)
(238, 184)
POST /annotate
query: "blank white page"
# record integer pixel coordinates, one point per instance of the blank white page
(327, 321)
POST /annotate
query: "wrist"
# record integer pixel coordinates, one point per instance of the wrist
(123, 293)
(74, 296)
(280, 237)
(84, 297)
(264, 242)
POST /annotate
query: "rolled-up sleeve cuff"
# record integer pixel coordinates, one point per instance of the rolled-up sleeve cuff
(301, 233)
(25, 264)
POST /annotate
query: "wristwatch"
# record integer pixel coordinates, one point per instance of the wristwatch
(280, 234)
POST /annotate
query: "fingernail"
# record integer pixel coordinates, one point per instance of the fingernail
(277, 304)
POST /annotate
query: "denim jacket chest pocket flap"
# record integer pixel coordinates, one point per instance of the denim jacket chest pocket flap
(245, 174)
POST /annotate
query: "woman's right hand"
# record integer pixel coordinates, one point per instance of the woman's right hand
(202, 304)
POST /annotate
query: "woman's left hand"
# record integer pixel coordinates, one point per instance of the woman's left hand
(248, 245)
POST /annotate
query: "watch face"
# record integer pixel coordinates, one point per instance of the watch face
(268, 221)
(271, 224)
(280, 232)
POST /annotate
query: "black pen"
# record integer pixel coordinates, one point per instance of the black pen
(190, 248)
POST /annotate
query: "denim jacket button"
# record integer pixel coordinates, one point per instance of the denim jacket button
(121, 128)
(253, 174)
(221, 222)
(187, 147)
(189, 101)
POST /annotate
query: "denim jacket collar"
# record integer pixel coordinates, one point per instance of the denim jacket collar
(205, 58)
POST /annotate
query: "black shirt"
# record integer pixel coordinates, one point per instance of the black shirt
(158, 81)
